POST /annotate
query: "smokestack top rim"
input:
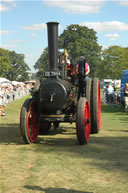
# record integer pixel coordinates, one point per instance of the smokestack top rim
(52, 22)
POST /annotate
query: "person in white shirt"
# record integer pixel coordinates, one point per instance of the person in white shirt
(110, 91)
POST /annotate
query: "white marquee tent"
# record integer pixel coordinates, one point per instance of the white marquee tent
(4, 80)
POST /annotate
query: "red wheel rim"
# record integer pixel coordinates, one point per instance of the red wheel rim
(32, 122)
(86, 121)
(99, 107)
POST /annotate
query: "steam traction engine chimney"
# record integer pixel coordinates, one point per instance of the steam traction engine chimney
(53, 44)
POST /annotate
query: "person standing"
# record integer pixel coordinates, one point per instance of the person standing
(66, 63)
(82, 67)
(82, 71)
(2, 95)
(126, 97)
(110, 91)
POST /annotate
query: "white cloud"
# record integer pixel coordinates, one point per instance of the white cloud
(124, 3)
(8, 46)
(35, 27)
(3, 8)
(14, 41)
(4, 32)
(77, 6)
(7, 5)
(108, 26)
(112, 36)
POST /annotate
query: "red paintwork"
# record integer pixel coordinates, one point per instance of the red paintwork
(86, 126)
(32, 122)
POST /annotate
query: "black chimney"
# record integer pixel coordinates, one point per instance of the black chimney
(53, 44)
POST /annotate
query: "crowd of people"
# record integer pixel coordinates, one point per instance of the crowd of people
(112, 96)
(10, 93)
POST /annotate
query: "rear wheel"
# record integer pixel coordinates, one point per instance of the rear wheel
(83, 121)
(29, 123)
(95, 107)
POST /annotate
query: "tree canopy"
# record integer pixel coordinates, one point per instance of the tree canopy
(114, 60)
(13, 66)
(78, 41)
(4, 61)
(42, 63)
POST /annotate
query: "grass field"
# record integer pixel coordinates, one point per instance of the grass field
(57, 164)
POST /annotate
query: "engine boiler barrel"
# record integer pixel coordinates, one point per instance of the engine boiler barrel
(54, 95)
(53, 44)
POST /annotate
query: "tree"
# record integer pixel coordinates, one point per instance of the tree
(42, 63)
(18, 69)
(4, 61)
(115, 59)
(79, 40)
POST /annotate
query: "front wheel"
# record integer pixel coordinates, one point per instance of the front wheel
(29, 123)
(83, 121)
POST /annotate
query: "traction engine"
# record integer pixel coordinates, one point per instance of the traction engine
(55, 100)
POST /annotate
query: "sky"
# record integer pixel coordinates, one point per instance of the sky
(23, 26)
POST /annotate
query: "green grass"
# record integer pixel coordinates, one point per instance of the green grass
(57, 164)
